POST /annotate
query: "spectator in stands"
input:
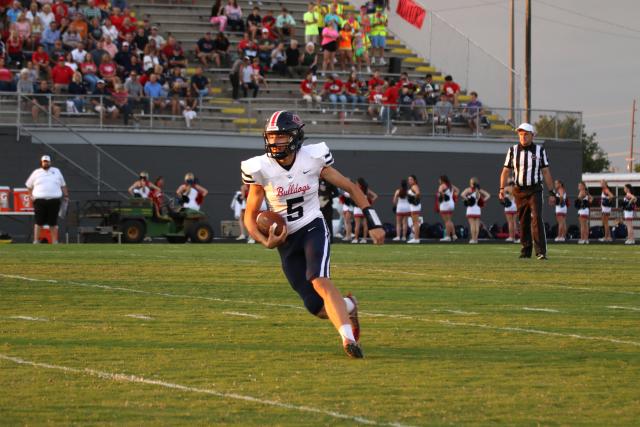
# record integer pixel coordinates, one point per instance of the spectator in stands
(205, 50)
(250, 80)
(389, 107)
(58, 49)
(101, 100)
(120, 99)
(378, 36)
(265, 46)
(431, 90)
(254, 22)
(41, 61)
(176, 56)
(268, 22)
(79, 25)
(153, 90)
(6, 78)
(247, 47)
(345, 43)
(71, 39)
(364, 19)
(235, 74)
(13, 12)
(42, 101)
(23, 27)
(189, 112)
(79, 53)
(108, 46)
(405, 103)
(292, 54)
(279, 60)
(14, 49)
(135, 89)
(108, 70)
(451, 90)
(443, 112)
(419, 106)
(311, 18)
(36, 33)
(285, 25)
(68, 60)
(333, 91)
(140, 40)
(91, 11)
(95, 31)
(177, 90)
(309, 91)
(49, 36)
(155, 35)
(108, 29)
(221, 45)
(329, 46)
(310, 58)
(61, 75)
(234, 16)
(361, 45)
(473, 113)
(333, 17)
(123, 59)
(375, 80)
(353, 90)
(375, 100)
(46, 16)
(151, 57)
(77, 91)
(200, 83)
(32, 13)
(24, 84)
(89, 71)
(60, 10)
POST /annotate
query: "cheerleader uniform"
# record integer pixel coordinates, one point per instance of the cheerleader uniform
(141, 192)
(627, 208)
(474, 211)
(605, 204)
(561, 205)
(447, 204)
(512, 209)
(403, 207)
(583, 207)
(414, 202)
(347, 203)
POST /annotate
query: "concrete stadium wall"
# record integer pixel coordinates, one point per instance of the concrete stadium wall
(215, 160)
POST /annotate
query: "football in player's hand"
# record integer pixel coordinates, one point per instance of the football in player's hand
(266, 219)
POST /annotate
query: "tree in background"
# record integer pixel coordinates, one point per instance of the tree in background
(594, 159)
(636, 168)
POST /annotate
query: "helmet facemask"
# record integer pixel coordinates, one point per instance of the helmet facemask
(280, 150)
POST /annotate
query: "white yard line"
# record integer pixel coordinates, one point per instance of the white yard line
(618, 307)
(464, 313)
(139, 316)
(237, 313)
(545, 310)
(135, 379)
(32, 319)
(391, 316)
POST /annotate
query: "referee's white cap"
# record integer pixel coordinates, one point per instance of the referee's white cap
(526, 127)
(45, 158)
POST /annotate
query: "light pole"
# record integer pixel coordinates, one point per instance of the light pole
(527, 62)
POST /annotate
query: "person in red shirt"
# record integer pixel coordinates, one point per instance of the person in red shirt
(333, 91)
(451, 90)
(108, 69)
(375, 101)
(375, 81)
(61, 75)
(117, 19)
(41, 62)
(60, 10)
(6, 78)
(353, 90)
(14, 48)
(308, 90)
(389, 106)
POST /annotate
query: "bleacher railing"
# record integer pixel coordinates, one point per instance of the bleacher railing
(343, 117)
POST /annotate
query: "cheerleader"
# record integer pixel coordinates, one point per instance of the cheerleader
(347, 215)
(403, 210)
(561, 210)
(415, 207)
(510, 211)
(474, 199)
(360, 221)
(241, 198)
(606, 201)
(629, 202)
(447, 196)
(582, 203)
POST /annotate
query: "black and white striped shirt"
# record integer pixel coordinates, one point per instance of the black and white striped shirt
(527, 163)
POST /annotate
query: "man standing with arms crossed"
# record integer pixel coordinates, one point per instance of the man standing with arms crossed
(529, 164)
(46, 187)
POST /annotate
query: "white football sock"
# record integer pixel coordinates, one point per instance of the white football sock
(346, 333)
(349, 304)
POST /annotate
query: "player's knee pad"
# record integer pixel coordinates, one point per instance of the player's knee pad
(313, 303)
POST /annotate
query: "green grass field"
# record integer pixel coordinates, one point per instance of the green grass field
(213, 335)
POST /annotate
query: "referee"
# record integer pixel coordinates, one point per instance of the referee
(529, 164)
(46, 187)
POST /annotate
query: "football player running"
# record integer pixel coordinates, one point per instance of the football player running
(288, 175)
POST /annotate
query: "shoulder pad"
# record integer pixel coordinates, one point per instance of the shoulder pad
(321, 152)
(250, 169)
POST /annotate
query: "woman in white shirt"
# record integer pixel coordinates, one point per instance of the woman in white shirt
(190, 193)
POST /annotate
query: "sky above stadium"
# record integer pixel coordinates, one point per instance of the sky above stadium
(585, 57)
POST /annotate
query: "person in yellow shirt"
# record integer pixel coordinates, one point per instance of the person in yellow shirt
(378, 37)
(320, 11)
(311, 30)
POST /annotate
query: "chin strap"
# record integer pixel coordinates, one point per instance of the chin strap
(373, 220)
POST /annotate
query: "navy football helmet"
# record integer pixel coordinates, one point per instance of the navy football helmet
(283, 123)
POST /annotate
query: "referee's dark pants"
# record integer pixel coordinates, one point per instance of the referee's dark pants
(529, 202)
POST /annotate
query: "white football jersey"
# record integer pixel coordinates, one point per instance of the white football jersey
(293, 193)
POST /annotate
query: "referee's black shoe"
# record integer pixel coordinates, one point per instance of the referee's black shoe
(542, 257)
(525, 256)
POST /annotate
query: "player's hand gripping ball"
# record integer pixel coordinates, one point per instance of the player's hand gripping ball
(266, 219)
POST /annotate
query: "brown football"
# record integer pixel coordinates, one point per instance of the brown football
(266, 219)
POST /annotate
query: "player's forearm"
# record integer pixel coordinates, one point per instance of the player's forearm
(252, 227)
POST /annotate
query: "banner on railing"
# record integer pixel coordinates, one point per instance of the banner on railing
(411, 12)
